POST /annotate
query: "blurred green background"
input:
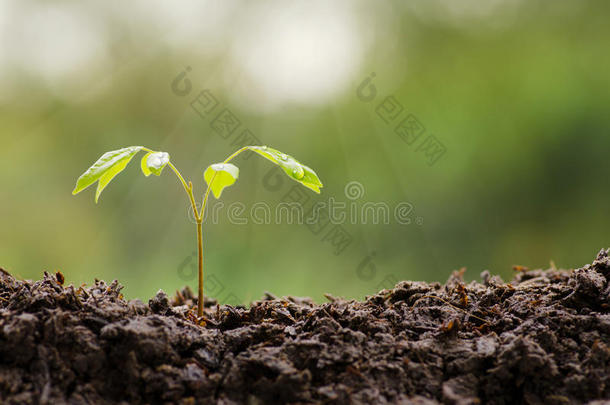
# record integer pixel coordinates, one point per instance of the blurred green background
(516, 92)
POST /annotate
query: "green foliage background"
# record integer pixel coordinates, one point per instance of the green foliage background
(521, 106)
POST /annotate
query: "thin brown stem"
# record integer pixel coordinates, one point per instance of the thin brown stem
(205, 196)
(227, 160)
(199, 217)
(200, 250)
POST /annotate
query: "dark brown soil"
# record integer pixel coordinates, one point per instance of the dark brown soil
(543, 338)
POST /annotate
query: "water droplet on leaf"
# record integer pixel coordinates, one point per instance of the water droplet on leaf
(157, 160)
(298, 172)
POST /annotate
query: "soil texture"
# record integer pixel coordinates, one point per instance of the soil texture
(543, 338)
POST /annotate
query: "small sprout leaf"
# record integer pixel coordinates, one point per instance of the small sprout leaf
(144, 165)
(154, 162)
(108, 176)
(220, 175)
(293, 168)
(105, 168)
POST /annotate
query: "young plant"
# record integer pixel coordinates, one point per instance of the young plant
(217, 176)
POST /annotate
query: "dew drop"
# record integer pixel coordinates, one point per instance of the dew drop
(298, 172)
(283, 156)
(265, 147)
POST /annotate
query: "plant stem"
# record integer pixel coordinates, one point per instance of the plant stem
(189, 190)
(235, 154)
(199, 218)
(200, 250)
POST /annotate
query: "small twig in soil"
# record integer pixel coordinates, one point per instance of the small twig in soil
(451, 305)
(330, 297)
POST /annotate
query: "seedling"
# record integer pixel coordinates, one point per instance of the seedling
(217, 176)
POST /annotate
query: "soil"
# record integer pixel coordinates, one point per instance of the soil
(542, 338)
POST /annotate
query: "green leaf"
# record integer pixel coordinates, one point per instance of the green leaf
(144, 165)
(108, 176)
(293, 168)
(154, 162)
(105, 168)
(220, 175)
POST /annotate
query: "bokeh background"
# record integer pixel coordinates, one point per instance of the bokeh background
(515, 93)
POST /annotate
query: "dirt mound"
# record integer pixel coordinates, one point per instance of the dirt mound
(543, 338)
